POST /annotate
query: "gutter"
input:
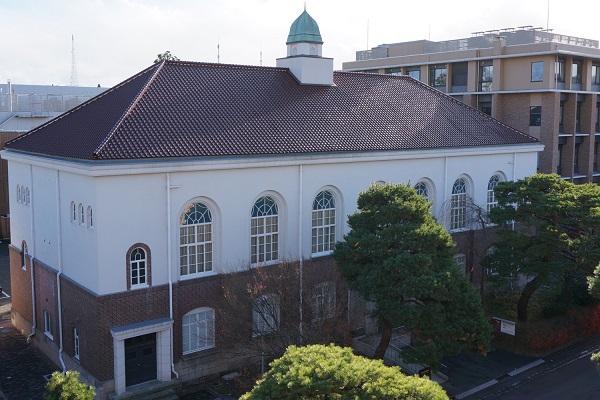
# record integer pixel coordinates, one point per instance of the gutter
(169, 267)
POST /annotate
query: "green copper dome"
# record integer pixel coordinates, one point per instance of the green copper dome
(304, 29)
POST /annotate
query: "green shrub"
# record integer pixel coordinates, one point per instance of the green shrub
(331, 372)
(68, 387)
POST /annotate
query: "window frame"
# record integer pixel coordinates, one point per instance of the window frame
(423, 189)
(266, 314)
(535, 115)
(326, 228)
(81, 214)
(491, 201)
(48, 325)
(486, 76)
(76, 344)
(559, 70)
(208, 327)
(595, 74)
(414, 71)
(434, 77)
(265, 231)
(458, 204)
(324, 300)
(202, 256)
(460, 260)
(576, 72)
(534, 71)
(90, 217)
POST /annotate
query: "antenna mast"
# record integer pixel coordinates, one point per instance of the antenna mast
(74, 79)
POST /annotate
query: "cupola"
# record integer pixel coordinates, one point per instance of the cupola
(304, 53)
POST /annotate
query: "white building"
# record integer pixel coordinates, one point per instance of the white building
(128, 209)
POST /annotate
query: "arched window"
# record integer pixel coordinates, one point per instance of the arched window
(90, 217)
(422, 190)
(137, 267)
(19, 198)
(73, 212)
(323, 223)
(75, 343)
(458, 204)
(198, 330)
(491, 197)
(264, 231)
(81, 214)
(265, 315)
(195, 240)
(27, 196)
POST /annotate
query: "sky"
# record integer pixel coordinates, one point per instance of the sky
(115, 39)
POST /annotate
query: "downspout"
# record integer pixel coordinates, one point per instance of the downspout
(59, 246)
(32, 262)
(169, 265)
(300, 248)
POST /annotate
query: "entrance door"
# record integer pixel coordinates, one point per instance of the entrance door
(140, 359)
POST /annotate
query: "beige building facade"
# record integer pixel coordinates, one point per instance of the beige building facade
(534, 80)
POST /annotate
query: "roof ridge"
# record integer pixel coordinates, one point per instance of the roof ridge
(99, 149)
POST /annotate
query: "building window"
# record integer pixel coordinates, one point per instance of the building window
(458, 205)
(81, 214)
(198, 330)
(90, 217)
(264, 231)
(422, 189)
(537, 71)
(597, 117)
(73, 212)
(18, 193)
(438, 76)
(461, 262)
(596, 145)
(24, 253)
(195, 240)
(414, 73)
(576, 72)
(48, 325)
(75, 344)
(561, 117)
(137, 268)
(576, 158)
(559, 162)
(491, 196)
(486, 74)
(394, 71)
(323, 223)
(324, 299)
(265, 315)
(535, 116)
(595, 74)
(485, 107)
(578, 117)
(559, 70)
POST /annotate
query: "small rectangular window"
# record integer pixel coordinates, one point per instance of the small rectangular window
(535, 116)
(559, 70)
(48, 325)
(537, 71)
(438, 76)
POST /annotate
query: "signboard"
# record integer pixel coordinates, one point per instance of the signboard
(505, 326)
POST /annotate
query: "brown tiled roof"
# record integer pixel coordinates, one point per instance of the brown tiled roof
(185, 109)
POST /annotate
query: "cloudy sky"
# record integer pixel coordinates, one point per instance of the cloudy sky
(114, 39)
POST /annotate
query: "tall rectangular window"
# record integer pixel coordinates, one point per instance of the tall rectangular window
(578, 118)
(48, 325)
(595, 74)
(597, 117)
(559, 70)
(537, 71)
(561, 117)
(438, 77)
(535, 116)
(75, 343)
(576, 72)
(559, 161)
(596, 146)
(486, 74)
(264, 231)
(576, 158)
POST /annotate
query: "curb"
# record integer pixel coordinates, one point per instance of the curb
(494, 381)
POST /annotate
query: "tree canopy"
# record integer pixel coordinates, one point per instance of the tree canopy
(399, 257)
(547, 228)
(331, 372)
(166, 56)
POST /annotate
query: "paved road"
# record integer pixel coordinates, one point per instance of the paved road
(565, 375)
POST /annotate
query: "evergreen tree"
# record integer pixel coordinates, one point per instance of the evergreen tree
(399, 257)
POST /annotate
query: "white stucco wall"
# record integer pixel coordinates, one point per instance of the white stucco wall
(130, 202)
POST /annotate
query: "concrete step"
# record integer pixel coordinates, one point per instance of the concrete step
(151, 391)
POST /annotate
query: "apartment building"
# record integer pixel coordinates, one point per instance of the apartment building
(535, 80)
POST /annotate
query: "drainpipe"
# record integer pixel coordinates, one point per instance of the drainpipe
(59, 246)
(32, 263)
(300, 247)
(169, 265)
